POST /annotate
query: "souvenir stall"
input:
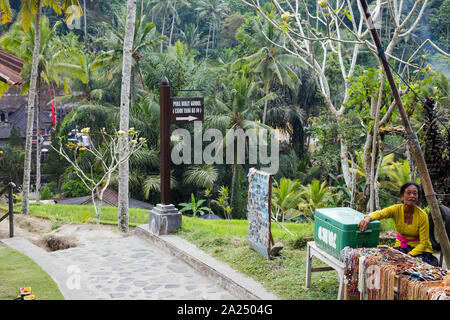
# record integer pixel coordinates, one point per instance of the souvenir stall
(383, 273)
(368, 271)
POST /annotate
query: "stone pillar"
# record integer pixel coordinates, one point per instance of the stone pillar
(164, 219)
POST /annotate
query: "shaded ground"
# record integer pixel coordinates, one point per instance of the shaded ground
(39, 231)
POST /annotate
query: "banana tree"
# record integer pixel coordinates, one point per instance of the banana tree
(195, 206)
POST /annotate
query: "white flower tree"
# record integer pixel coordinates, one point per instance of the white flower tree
(338, 27)
(106, 154)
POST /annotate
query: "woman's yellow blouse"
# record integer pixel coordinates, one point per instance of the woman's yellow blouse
(418, 228)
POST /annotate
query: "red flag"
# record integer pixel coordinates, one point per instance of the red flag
(53, 108)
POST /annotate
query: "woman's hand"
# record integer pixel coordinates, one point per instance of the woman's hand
(364, 223)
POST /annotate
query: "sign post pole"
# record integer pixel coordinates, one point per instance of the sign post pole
(165, 112)
(165, 218)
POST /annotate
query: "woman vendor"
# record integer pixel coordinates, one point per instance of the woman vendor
(411, 224)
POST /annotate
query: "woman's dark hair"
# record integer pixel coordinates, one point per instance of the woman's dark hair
(406, 185)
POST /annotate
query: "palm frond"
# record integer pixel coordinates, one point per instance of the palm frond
(201, 176)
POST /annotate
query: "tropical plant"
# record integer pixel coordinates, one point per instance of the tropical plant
(286, 198)
(194, 206)
(152, 183)
(224, 203)
(239, 111)
(54, 67)
(191, 37)
(90, 91)
(28, 9)
(269, 61)
(315, 195)
(71, 9)
(213, 10)
(11, 158)
(165, 8)
(398, 174)
(46, 193)
(144, 39)
(201, 176)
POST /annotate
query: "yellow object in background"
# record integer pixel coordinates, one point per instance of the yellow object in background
(25, 291)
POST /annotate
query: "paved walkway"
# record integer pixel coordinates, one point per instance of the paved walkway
(125, 268)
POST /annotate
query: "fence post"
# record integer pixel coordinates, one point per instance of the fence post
(11, 210)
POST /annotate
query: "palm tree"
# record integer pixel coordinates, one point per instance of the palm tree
(145, 38)
(28, 9)
(54, 67)
(152, 183)
(89, 90)
(166, 7)
(268, 61)
(124, 115)
(175, 17)
(239, 111)
(191, 37)
(201, 176)
(286, 198)
(30, 116)
(315, 195)
(213, 10)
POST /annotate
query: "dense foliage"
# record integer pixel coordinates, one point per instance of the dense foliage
(231, 54)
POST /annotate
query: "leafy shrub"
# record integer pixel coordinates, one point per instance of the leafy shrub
(299, 242)
(74, 188)
(46, 193)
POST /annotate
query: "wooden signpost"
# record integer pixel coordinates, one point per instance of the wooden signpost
(165, 218)
(186, 110)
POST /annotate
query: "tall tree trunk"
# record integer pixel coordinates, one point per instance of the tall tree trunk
(266, 92)
(132, 87)
(233, 180)
(30, 110)
(213, 36)
(85, 23)
(265, 112)
(413, 144)
(376, 115)
(344, 163)
(38, 138)
(410, 163)
(124, 116)
(171, 29)
(162, 30)
(207, 42)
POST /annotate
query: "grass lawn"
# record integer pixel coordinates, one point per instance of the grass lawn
(61, 213)
(18, 271)
(284, 275)
(227, 242)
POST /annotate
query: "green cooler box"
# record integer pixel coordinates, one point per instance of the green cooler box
(336, 228)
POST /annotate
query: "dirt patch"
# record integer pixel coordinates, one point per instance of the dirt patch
(45, 234)
(54, 243)
(28, 227)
